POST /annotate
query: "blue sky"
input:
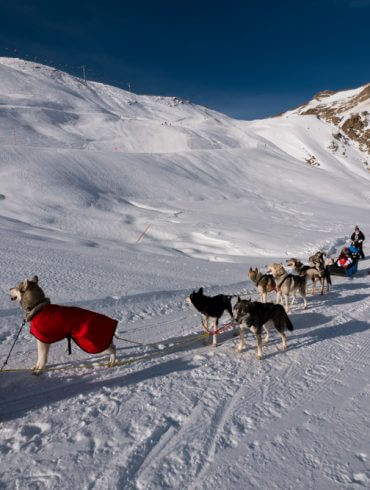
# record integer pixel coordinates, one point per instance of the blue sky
(249, 59)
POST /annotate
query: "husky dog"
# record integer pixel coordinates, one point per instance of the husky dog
(321, 265)
(255, 315)
(309, 271)
(287, 284)
(317, 257)
(50, 323)
(211, 308)
(265, 283)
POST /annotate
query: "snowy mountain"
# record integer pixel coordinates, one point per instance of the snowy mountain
(348, 112)
(123, 204)
(130, 161)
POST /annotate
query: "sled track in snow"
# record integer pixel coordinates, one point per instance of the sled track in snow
(296, 397)
(228, 396)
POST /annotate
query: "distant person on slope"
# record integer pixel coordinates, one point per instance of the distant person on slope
(358, 238)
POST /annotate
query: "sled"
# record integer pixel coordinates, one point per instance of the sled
(337, 270)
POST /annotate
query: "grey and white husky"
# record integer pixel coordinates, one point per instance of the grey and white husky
(265, 283)
(311, 272)
(288, 284)
(34, 303)
(321, 265)
(256, 316)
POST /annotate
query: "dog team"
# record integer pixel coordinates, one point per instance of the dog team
(94, 332)
(258, 316)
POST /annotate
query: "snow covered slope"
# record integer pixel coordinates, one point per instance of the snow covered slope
(85, 169)
(208, 186)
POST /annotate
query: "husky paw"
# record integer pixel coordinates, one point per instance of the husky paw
(36, 370)
(259, 357)
(112, 362)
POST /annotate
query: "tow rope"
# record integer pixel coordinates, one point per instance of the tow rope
(94, 365)
(122, 362)
(223, 328)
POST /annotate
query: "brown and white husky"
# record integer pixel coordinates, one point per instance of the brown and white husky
(265, 283)
(288, 284)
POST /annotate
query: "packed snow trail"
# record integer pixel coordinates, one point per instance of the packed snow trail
(203, 417)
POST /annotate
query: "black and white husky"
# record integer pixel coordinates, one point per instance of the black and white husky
(256, 316)
(211, 308)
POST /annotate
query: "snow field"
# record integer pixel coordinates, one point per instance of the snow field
(198, 417)
(124, 204)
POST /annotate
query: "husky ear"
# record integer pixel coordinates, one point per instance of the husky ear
(250, 269)
(23, 286)
(200, 290)
(239, 300)
(35, 279)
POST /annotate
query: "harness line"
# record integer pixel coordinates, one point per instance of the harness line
(15, 340)
(117, 363)
(223, 328)
(278, 286)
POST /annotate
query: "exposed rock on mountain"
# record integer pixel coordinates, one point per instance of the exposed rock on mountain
(348, 111)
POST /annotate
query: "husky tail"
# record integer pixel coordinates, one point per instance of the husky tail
(327, 275)
(288, 323)
(303, 285)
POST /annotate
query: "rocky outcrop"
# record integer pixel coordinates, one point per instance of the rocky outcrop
(348, 114)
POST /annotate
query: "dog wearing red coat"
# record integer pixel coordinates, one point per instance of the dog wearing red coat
(49, 323)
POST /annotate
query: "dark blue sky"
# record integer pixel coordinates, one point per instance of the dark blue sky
(248, 59)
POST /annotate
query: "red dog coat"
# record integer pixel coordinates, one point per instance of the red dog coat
(91, 331)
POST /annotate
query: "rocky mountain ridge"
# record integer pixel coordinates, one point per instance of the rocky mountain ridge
(348, 111)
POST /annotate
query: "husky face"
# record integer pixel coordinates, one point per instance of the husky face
(28, 293)
(252, 274)
(242, 313)
(193, 296)
(276, 269)
(294, 263)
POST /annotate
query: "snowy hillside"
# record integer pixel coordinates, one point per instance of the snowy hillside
(86, 152)
(123, 204)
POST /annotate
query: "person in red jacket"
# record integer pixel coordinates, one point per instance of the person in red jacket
(344, 259)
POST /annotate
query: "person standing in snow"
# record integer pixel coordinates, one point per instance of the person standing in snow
(358, 238)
